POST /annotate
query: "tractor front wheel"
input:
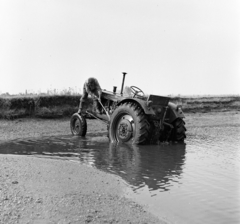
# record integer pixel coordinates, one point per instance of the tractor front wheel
(78, 125)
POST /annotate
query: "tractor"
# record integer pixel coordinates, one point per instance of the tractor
(134, 117)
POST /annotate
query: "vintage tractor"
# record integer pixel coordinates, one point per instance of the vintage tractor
(133, 117)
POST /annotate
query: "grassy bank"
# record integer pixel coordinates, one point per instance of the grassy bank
(57, 106)
(54, 106)
(208, 104)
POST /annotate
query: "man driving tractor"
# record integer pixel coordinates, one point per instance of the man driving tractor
(91, 87)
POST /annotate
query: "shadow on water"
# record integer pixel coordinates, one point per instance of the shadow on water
(155, 166)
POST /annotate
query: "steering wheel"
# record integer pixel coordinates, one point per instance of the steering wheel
(136, 91)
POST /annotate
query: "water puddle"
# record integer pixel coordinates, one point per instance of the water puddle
(195, 182)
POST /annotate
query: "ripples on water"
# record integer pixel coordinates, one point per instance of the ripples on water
(196, 182)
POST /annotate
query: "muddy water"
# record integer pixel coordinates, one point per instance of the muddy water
(195, 182)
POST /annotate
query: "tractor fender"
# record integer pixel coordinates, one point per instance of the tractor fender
(141, 103)
(175, 112)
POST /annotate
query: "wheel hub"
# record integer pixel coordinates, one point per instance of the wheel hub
(77, 125)
(125, 130)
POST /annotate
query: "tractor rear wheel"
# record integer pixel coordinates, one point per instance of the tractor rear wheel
(78, 125)
(129, 124)
(178, 132)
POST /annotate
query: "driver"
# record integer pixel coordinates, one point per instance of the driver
(91, 87)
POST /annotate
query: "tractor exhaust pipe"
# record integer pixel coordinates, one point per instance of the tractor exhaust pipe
(124, 73)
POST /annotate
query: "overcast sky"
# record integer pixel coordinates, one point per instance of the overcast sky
(166, 46)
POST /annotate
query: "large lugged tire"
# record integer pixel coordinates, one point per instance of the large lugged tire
(129, 124)
(78, 125)
(178, 132)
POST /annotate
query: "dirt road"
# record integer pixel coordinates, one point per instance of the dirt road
(43, 190)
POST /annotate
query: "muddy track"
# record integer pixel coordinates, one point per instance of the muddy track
(44, 190)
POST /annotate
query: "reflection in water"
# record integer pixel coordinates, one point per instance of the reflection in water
(154, 166)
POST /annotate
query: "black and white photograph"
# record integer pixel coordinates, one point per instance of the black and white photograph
(119, 111)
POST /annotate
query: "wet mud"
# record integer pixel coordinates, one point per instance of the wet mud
(194, 182)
